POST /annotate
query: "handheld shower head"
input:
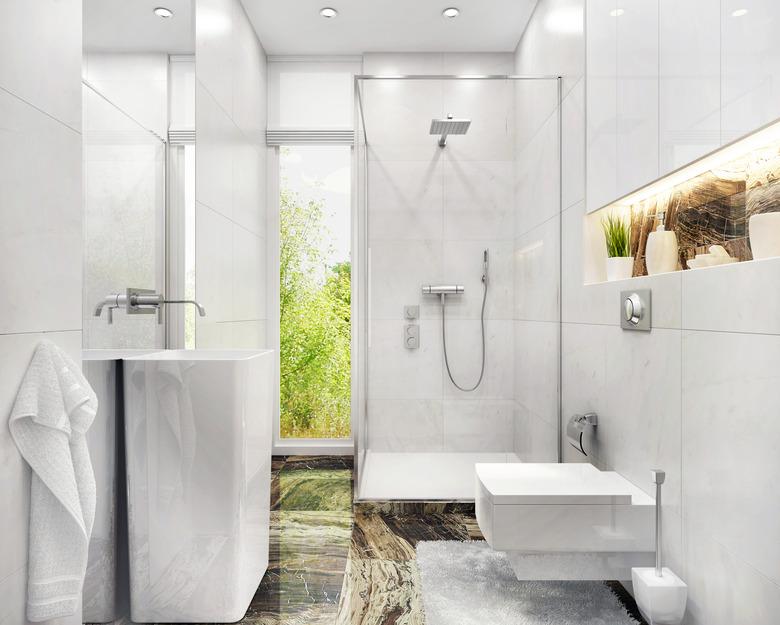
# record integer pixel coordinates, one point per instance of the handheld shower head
(485, 265)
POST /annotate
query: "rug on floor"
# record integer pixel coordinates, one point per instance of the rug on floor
(470, 584)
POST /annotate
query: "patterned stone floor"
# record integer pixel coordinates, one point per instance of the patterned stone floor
(330, 564)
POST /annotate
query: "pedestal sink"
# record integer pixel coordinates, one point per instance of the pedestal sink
(198, 437)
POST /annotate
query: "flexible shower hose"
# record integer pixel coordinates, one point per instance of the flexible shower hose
(444, 340)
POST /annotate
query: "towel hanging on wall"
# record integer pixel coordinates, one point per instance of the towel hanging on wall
(54, 408)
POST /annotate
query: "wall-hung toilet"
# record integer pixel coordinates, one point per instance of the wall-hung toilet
(565, 521)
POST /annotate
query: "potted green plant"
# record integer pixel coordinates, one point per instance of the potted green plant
(617, 233)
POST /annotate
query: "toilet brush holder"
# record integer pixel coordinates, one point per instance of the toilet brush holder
(659, 593)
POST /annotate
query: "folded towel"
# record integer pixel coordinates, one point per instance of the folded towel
(54, 408)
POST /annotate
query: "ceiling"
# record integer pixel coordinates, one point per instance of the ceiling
(296, 27)
(132, 26)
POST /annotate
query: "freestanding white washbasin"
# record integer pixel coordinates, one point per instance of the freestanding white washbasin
(105, 597)
(565, 521)
(198, 437)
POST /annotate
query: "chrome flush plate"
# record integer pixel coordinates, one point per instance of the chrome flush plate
(635, 310)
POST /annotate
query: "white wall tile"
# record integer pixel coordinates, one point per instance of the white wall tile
(405, 425)
(463, 264)
(214, 50)
(573, 146)
(725, 298)
(478, 425)
(214, 265)
(537, 270)
(248, 275)
(41, 213)
(217, 139)
(536, 369)
(535, 440)
(730, 384)
(32, 36)
(464, 349)
(399, 373)
(248, 186)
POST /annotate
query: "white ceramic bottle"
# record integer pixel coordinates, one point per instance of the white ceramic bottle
(661, 251)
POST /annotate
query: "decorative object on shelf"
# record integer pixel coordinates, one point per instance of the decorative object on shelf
(617, 234)
(764, 230)
(717, 256)
(661, 253)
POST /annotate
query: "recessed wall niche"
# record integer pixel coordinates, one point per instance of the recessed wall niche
(707, 203)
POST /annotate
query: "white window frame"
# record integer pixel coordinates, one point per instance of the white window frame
(276, 137)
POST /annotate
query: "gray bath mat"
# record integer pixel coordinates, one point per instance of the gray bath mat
(470, 584)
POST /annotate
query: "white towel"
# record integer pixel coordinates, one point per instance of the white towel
(54, 408)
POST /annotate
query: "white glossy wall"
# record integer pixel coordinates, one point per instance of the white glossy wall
(431, 213)
(40, 235)
(696, 395)
(230, 177)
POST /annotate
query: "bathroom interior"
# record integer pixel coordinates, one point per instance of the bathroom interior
(390, 312)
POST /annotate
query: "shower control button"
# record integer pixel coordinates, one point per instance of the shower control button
(411, 311)
(411, 336)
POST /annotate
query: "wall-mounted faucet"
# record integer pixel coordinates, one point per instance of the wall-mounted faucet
(141, 302)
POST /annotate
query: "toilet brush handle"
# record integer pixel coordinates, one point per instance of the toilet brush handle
(658, 478)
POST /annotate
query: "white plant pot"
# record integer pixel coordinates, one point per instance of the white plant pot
(764, 230)
(620, 268)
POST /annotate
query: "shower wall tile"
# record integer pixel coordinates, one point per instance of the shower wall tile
(406, 425)
(730, 433)
(398, 271)
(536, 273)
(214, 49)
(399, 373)
(537, 177)
(217, 136)
(573, 146)
(477, 199)
(463, 264)
(214, 262)
(32, 37)
(536, 360)
(534, 439)
(464, 346)
(478, 425)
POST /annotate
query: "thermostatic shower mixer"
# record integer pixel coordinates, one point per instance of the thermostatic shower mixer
(443, 289)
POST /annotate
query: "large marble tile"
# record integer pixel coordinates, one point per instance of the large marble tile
(537, 273)
(405, 425)
(722, 588)
(536, 368)
(214, 249)
(730, 438)
(217, 138)
(32, 36)
(380, 591)
(41, 213)
(573, 146)
(396, 372)
(477, 199)
(463, 264)
(477, 425)
(214, 34)
(248, 78)
(535, 440)
(724, 298)
(464, 351)
(248, 274)
(639, 418)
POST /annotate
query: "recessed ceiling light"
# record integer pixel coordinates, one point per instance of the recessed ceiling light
(328, 12)
(617, 12)
(739, 13)
(163, 12)
(451, 12)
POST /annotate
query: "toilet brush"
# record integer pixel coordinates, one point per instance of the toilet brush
(659, 593)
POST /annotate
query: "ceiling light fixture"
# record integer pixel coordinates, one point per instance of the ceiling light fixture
(451, 12)
(328, 12)
(739, 13)
(163, 12)
(617, 12)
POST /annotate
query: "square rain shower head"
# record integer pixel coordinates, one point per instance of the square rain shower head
(449, 126)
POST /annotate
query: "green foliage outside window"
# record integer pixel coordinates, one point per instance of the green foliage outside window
(314, 326)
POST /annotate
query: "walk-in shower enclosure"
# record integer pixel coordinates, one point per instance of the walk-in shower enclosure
(426, 214)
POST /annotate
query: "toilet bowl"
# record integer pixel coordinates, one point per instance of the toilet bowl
(564, 521)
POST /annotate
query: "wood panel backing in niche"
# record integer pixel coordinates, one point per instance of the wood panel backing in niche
(711, 209)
